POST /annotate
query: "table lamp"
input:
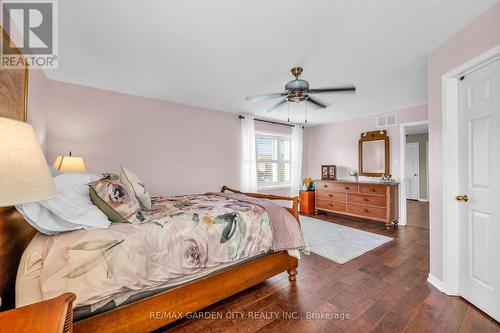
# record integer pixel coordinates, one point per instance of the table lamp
(24, 173)
(69, 163)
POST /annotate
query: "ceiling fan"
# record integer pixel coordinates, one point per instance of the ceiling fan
(298, 91)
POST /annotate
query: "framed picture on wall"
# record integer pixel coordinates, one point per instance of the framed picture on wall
(328, 172)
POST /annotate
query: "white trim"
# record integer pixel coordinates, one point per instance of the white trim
(435, 282)
(402, 153)
(439, 285)
(428, 167)
(450, 174)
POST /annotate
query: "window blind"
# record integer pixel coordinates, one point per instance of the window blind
(273, 160)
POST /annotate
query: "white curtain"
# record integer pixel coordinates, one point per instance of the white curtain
(248, 155)
(296, 177)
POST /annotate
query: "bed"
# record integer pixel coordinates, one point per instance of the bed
(140, 312)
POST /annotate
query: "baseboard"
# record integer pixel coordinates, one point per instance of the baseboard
(438, 284)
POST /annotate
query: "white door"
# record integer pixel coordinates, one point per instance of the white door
(412, 173)
(479, 167)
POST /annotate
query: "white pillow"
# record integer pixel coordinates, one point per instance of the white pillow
(71, 209)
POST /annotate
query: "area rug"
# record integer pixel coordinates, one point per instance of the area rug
(337, 242)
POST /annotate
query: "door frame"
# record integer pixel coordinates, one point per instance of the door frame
(418, 158)
(402, 158)
(450, 118)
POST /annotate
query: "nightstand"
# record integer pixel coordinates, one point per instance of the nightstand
(307, 202)
(54, 315)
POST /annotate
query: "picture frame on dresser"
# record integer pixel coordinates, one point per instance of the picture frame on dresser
(328, 172)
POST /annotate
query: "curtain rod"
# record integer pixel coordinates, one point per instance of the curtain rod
(271, 122)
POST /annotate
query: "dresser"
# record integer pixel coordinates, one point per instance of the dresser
(369, 200)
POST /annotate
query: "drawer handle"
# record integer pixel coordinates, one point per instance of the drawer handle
(347, 187)
(372, 189)
(325, 186)
(365, 210)
(365, 199)
(330, 205)
(330, 195)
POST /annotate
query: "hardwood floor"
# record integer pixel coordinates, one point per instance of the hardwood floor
(384, 290)
(417, 213)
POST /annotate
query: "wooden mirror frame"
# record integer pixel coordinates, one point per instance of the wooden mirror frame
(374, 136)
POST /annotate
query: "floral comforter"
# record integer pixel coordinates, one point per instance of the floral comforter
(181, 236)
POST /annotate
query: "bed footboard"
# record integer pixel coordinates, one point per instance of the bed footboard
(294, 210)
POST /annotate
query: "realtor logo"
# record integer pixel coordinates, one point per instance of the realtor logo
(32, 27)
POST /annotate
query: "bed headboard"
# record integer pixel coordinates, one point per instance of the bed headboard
(15, 235)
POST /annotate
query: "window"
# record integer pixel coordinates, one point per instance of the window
(273, 160)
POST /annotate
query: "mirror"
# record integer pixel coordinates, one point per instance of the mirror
(374, 154)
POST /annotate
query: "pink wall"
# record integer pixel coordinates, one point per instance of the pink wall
(37, 104)
(173, 148)
(476, 38)
(337, 143)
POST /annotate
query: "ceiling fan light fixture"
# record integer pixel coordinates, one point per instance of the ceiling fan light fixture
(298, 90)
(297, 85)
(296, 99)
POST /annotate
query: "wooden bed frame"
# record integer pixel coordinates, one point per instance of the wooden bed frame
(152, 312)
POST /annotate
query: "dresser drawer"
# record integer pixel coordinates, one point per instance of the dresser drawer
(324, 186)
(346, 187)
(335, 196)
(372, 188)
(368, 211)
(366, 199)
(331, 205)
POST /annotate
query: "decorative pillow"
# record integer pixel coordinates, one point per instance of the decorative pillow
(133, 182)
(115, 200)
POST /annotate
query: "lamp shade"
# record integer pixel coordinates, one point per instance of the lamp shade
(69, 164)
(24, 174)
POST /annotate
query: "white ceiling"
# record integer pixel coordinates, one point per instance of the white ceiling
(214, 53)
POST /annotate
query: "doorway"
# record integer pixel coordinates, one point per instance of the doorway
(471, 142)
(414, 186)
(416, 175)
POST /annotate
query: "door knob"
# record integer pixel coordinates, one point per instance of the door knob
(462, 198)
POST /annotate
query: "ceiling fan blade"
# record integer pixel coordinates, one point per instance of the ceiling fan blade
(259, 98)
(277, 105)
(329, 90)
(316, 102)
